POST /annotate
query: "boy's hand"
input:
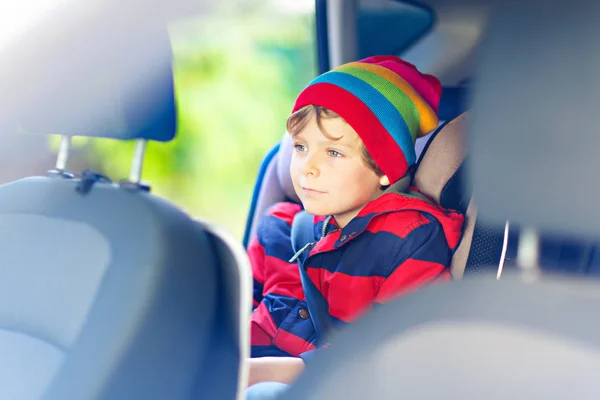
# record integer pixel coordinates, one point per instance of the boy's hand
(274, 369)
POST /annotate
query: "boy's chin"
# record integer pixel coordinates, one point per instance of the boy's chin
(316, 210)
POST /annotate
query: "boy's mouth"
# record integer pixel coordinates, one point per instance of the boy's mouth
(312, 191)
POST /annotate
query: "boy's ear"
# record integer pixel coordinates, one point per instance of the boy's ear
(384, 180)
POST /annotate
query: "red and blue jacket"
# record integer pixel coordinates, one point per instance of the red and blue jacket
(396, 243)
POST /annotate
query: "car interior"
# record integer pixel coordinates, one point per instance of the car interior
(111, 292)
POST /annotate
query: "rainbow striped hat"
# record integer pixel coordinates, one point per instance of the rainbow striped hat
(386, 100)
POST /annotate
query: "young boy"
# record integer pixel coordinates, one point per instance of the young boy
(353, 130)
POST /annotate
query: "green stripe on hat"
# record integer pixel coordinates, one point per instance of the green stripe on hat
(400, 100)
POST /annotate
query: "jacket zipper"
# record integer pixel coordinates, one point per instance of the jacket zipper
(311, 244)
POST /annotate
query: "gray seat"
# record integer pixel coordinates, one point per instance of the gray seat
(515, 342)
(107, 291)
(103, 295)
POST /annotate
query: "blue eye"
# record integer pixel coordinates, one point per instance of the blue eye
(299, 147)
(333, 153)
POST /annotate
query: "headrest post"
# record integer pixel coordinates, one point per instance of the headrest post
(528, 254)
(504, 249)
(63, 153)
(135, 175)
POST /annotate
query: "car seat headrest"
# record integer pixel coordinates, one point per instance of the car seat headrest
(96, 82)
(439, 171)
(283, 167)
(535, 153)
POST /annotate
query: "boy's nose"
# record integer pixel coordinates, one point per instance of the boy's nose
(309, 168)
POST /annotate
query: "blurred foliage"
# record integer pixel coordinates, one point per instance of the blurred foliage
(236, 78)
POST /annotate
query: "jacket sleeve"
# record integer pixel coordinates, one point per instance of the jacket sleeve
(276, 223)
(274, 327)
(423, 257)
(256, 253)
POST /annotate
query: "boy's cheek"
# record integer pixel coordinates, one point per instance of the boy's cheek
(294, 175)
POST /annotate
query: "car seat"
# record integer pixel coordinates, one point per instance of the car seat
(107, 291)
(470, 339)
(440, 174)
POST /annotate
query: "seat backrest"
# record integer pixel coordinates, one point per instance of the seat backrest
(230, 345)
(440, 174)
(99, 291)
(438, 170)
(273, 185)
(107, 291)
(516, 340)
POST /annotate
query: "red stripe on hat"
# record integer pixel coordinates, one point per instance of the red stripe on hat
(380, 144)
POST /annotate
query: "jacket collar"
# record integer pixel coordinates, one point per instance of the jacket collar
(387, 202)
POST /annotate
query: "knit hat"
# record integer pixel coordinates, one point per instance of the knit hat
(386, 100)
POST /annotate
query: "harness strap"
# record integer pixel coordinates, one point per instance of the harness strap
(303, 238)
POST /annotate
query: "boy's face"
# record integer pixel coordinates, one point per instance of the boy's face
(330, 176)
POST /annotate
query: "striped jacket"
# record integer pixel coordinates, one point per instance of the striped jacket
(396, 243)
